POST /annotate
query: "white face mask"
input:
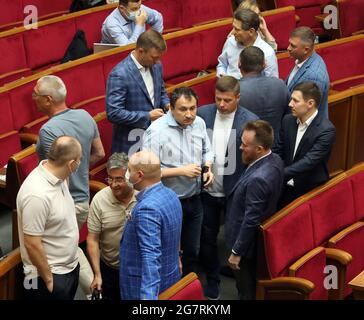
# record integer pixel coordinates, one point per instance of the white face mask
(127, 179)
(132, 15)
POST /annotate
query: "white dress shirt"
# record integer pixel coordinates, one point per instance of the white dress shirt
(302, 127)
(297, 67)
(147, 78)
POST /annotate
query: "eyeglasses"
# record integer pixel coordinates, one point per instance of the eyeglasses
(117, 180)
(35, 94)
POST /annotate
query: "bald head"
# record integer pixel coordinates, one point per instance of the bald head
(147, 162)
(63, 150)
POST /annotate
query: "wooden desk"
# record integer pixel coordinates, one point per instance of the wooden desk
(357, 284)
(2, 182)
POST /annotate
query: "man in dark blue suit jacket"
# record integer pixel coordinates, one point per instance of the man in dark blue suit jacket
(224, 121)
(254, 198)
(149, 248)
(135, 93)
(267, 97)
(304, 143)
(309, 66)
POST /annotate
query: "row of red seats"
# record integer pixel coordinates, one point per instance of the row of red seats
(13, 15)
(327, 221)
(26, 51)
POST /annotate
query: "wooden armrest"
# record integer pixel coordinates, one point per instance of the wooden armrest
(11, 73)
(341, 256)
(172, 30)
(96, 186)
(285, 287)
(358, 32)
(334, 83)
(97, 169)
(28, 137)
(85, 102)
(298, 19)
(29, 125)
(9, 262)
(208, 21)
(321, 17)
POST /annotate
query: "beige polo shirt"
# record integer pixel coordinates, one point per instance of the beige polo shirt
(107, 217)
(46, 208)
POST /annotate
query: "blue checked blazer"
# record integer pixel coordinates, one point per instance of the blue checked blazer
(128, 103)
(314, 69)
(149, 261)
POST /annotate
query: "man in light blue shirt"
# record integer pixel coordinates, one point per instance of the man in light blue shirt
(127, 22)
(181, 142)
(245, 34)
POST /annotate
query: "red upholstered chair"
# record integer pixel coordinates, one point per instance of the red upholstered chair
(351, 240)
(13, 64)
(57, 36)
(285, 65)
(306, 10)
(93, 106)
(280, 23)
(188, 288)
(12, 16)
(19, 166)
(356, 175)
(9, 144)
(171, 11)
(98, 171)
(11, 276)
(91, 24)
(6, 116)
(183, 59)
(332, 211)
(109, 61)
(48, 9)
(351, 17)
(197, 12)
(348, 72)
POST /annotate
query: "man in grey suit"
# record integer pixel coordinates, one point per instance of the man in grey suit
(309, 66)
(135, 93)
(267, 97)
(253, 199)
(224, 120)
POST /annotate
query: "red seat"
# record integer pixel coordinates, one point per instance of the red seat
(285, 65)
(11, 13)
(188, 288)
(6, 116)
(47, 9)
(9, 144)
(351, 241)
(351, 16)
(281, 22)
(56, 37)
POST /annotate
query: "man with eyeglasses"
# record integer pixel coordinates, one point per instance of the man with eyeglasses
(128, 21)
(109, 211)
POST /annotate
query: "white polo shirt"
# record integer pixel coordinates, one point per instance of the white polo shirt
(46, 208)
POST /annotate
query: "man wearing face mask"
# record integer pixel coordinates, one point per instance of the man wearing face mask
(48, 233)
(49, 95)
(149, 247)
(128, 21)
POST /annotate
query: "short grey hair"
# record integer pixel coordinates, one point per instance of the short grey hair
(305, 34)
(117, 161)
(52, 86)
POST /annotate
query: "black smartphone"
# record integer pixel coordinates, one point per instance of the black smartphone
(204, 169)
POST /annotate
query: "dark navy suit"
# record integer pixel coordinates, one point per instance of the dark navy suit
(149, 261)
(308, 167)
(128, 103)
(254, 198)
(214, 205)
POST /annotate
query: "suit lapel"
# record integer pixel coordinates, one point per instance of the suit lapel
(156, 84)
(309, 132)
(135, 73)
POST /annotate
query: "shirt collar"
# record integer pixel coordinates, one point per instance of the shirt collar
(138, 65)
(255, 161)
(309, 120)
(142, 192)
(51, 178)
(121, 18)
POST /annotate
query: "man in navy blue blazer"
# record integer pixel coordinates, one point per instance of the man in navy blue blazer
(309, 66)
(224, 121)
(253, 199)
(304, 143)
(149, 247)
(135, 93)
